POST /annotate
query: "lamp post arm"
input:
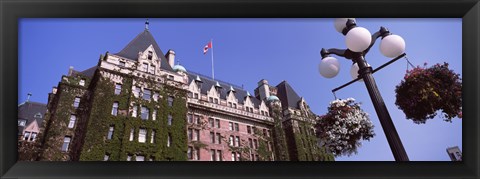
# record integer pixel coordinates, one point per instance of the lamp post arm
(380, 33)
(346, 53)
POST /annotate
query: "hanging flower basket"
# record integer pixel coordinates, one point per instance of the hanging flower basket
(344, 125)
(424, 91)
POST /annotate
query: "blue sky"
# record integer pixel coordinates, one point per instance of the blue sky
(248, 50)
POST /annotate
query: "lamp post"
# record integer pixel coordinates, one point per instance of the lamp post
(359, 41)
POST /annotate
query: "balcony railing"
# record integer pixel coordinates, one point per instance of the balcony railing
(230, 110)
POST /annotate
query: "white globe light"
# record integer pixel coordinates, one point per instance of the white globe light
(354, 71)
(341, 23)
(329, 67)
(392, 46)
(358, 39)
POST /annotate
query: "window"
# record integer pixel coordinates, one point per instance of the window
(236, 127)
(212, 155)
(152, 137)
(230, 126)
(71, 124)
(230, 140)
(219, 137)
(106, 157)
(238, 157)
(169, 140)
(216, 101)
(170, 101)
(134, 112)
(150, 55)
(195, 95)
(142, 135)
(170, 77)
(237, 141)
(252, 157)
(266, 113)
(250, 143)
(219, 155)
(262, 112)
(212, 137)
(118, 88)
(145, 67)
(189, 153)
(234, 105)
(218, 122)
(211, 122)
(257, 158)
(254, 130)
(129, 157)
(122, 64)
(234, 156)
(155, 96)
(229, 104)
(33, 137)
(196, 120)
(131, 134)
(264, 132)
(110, 133)
(140, 158)
(190, 118)
(147, 94)
(145, 111)
(255, 143)
(82, 82)
(196, 136)
(22, 122)
(196, 154)
(115, 108)
(210, 99)
(152, 69)
(154, 114)
(169, 120)
(66, 143)
(76, 102)
(26, 135)
(190, 134)
(249, 129)
(136, 91)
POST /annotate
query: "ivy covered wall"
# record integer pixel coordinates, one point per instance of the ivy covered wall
(96, 145)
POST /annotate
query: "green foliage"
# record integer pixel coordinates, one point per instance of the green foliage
(119, 147)
(279, 138)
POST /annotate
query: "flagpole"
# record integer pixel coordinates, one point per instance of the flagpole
(213, 73)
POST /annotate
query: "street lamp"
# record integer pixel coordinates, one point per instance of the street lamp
(359, 41)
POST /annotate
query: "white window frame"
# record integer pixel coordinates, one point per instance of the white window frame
(72, 121)
(142, 135)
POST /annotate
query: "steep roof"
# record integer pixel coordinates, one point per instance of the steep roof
(240, 93)
(287, 95)
(88, 72)
(141, 42)
(28, 110)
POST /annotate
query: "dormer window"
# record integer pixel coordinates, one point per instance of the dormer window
(122, 64)
(82, 82)
(38, 115)
(22, 122)
(150, 55)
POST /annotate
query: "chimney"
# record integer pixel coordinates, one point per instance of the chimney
(170, 57)
(70, 71)
(263, 89)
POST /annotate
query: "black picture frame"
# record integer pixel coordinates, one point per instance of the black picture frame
(11, 11)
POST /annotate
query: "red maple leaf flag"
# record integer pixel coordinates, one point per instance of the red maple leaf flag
(205, 49)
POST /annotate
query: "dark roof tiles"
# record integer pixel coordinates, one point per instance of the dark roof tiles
(28, 111)
(139, 44)
(287, 95)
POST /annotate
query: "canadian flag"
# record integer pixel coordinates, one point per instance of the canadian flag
(205, 49)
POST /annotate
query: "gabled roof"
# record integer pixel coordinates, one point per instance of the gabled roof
(139, 44)
(207, 84)
(88, 72)
(287, 95)
(28, 110)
